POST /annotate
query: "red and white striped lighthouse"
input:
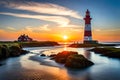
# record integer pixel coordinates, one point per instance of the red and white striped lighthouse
(87, 30)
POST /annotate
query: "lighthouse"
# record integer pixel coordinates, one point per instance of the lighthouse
(87, 29)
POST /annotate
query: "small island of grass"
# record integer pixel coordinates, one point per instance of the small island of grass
(11, 50)
(107, 51)
(77, 45)
(72, 59)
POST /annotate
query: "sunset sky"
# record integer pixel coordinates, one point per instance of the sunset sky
(54, 19)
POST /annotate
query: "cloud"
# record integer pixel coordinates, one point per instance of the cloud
(45, 8)
(38, 28)
(11, 28)
(98, 30)
(57, 19)
(76, 30)
(108, 30)
(58, 14)
(72, 26)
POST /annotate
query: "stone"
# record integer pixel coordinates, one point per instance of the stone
(43, 55)
(61, 57)
(77, 61)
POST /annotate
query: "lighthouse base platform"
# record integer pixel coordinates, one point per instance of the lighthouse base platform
(91, 42)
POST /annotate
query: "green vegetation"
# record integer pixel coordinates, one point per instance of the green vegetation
(108, 51)
(90, 45)
(72, 59)
(77, 61)
(10, 50)
(83, 45)
(13, 49)
(38, 44)
(30, 44)
(61, 57)
(8, 44)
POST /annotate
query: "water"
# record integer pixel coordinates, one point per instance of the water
(34, 67)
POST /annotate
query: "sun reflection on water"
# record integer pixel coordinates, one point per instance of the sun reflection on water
(62, 73)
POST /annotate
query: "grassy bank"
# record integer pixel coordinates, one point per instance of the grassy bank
(38, 44)
(108, 51)
(10, 50)
(31, 44)
(90, 45)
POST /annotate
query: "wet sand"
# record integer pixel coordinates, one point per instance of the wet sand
(21, 68)
(27, 75)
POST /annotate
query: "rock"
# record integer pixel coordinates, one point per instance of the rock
(24, 51)
(15, 51)
(0, 64)
(4, 52)
(43, 55)
(77, 61)
(11, 51)
(72, 59)
(52, 56)
(62, 56)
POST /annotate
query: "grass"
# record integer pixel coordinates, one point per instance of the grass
(10, 49)
(91, 45)
(30, 44)
(108, 51)
(8, 44)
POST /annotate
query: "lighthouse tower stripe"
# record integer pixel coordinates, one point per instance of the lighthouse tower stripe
(87, 27)
(87, 38)
(87, 31)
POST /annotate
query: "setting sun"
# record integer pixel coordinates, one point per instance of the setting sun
(65, 37)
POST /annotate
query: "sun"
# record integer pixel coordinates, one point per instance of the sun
(65, 37)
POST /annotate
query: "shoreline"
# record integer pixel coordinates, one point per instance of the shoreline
(14, 49)
(92, 45)
(107, 51)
